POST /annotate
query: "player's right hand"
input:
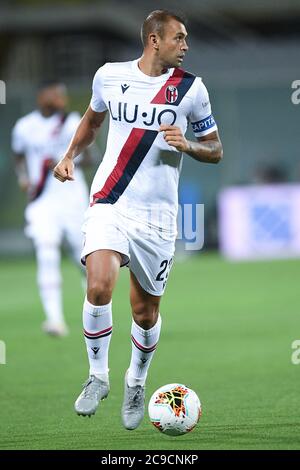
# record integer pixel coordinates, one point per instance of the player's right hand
(64, 170)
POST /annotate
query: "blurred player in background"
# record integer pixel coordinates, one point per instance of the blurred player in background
(150, 102)
(54, 211)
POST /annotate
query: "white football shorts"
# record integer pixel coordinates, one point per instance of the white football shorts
(146, 251)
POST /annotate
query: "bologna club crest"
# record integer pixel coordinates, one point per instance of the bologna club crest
(171, 94)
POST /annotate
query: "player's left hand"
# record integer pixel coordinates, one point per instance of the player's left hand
(174, 137)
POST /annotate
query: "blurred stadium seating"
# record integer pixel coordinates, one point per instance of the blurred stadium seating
(246, 52)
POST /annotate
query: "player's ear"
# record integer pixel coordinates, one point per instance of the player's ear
(154, 41)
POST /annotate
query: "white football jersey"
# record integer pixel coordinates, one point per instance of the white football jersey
(139, 172)
(42, 139)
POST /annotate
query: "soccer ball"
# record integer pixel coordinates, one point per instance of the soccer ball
(174, 409)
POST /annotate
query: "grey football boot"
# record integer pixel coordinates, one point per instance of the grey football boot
(133, 408)
(93, 391)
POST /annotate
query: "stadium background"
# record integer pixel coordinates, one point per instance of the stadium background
(244, 316)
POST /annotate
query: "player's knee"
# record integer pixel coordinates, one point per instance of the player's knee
(145, 314)
(99, 292)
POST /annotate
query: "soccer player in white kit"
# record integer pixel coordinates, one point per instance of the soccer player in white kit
(54, 210)
(133, 202)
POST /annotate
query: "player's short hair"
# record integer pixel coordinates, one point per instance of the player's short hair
(51, 83)
(155, 23)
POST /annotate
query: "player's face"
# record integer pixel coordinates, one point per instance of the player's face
(173, 46)
(52, 100)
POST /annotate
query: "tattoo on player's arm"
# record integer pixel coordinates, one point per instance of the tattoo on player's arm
(209, 151)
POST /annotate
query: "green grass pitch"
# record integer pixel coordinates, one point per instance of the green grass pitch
(227, 333)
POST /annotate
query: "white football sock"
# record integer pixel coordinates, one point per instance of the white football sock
(49, 282)
(144, 343)
(97, 325)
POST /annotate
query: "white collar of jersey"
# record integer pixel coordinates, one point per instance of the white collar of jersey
(148, 78)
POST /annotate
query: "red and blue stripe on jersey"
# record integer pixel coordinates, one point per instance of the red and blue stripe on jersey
(48, 163)
(139, 143)
(46, 167)
(181, 80)
(131, 156)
